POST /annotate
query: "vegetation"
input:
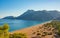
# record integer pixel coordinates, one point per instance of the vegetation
(53, 28)
(4, 33)
(56, 25)
(17, 35)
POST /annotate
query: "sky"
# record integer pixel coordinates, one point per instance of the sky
(18, 7)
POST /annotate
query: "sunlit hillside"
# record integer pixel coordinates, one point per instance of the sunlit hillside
(46, 30)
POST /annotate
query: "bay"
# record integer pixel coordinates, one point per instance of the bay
(19, 24)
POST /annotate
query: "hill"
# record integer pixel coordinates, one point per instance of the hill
(44, 30)
(58, 18)
(36, 15)
(9, 17)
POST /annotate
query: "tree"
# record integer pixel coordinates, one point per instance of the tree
(6, 29)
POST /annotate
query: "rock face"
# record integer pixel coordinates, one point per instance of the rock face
(37, 15)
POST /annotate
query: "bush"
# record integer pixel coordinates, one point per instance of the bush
(6, 27)
(4, 31)
(56, 25)
(17, 35)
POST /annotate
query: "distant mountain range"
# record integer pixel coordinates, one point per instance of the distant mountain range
(58, 18)
(37, 15)
(9, 17)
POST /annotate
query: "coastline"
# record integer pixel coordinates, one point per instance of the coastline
(29, 30)
(34, 26)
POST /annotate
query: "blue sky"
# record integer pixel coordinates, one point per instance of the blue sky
(18, 7)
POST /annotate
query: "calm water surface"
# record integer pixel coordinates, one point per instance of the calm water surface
(19, 24)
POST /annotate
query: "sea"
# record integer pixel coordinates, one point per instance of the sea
(19, 24)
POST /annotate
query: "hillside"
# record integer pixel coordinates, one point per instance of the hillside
(50, 29)
(9, 17)
(58, 18)
(45, 30)
(36, 15)
(54, 13)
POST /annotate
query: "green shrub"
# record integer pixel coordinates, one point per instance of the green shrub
(4, 31)
(56, 25)
(18, 35)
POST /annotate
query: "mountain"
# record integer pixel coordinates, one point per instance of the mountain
(9, 17)
(35, 15)
(54, 13)
(58, 18)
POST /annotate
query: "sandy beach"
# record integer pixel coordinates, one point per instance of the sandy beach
(28, 31)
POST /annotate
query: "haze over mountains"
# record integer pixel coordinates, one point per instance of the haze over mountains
(37, 15)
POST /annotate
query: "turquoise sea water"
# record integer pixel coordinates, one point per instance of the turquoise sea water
(19, 24)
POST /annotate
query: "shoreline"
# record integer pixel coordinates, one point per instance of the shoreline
(34, 26)
(28, 31)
